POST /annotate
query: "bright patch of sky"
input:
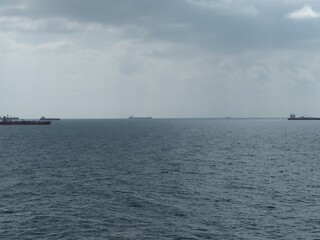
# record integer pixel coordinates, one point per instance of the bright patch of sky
(304, 13)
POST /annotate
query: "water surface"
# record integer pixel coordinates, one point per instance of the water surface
(160, 179)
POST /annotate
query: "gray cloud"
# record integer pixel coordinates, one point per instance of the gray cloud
(216, 24)
(164, 58)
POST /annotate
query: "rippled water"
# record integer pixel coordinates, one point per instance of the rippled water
(160, 179)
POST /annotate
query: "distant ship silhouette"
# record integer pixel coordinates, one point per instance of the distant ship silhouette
(293, 117)
(133, 117)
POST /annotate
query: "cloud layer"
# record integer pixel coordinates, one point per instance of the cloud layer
(184, 58)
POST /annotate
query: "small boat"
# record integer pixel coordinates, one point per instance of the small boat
(293, 117)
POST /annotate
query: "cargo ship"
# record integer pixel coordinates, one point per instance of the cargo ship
(293, 117)
(15, 121)
(49, 119)
(133, 117)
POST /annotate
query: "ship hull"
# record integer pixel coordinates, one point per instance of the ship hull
(25, 123)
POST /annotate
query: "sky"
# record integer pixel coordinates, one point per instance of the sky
(159, 58)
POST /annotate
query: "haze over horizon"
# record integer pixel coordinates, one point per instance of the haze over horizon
(159, 58)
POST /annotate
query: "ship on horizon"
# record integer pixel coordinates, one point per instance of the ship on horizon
(293, 117)
(7, 120)
(133, 117)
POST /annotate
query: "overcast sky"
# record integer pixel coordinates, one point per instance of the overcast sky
(160, 58)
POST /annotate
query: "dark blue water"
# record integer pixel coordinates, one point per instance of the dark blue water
(161, 179)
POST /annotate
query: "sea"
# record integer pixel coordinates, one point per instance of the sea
(161, 179)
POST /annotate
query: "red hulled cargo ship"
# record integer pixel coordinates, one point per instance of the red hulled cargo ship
(6, 120)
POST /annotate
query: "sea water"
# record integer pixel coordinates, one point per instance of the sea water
(161, 179)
